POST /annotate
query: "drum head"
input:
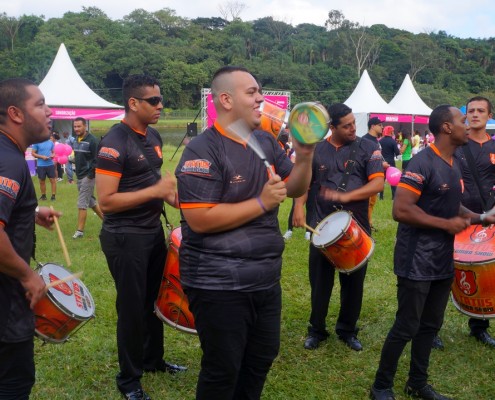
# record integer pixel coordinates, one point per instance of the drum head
(309, 122)
(71, 296)
(475, 245)
(331, 228)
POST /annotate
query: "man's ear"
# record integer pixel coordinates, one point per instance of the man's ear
(226, 100)
(15, 114)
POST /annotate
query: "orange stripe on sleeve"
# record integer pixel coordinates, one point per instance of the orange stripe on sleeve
(2, 224)
(409, 187)
(110, 173)
(185, 206)
(376, 175)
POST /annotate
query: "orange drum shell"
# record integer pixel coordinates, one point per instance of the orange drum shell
(52, 323)
(351, 250)
(172, 306)
(473, 289)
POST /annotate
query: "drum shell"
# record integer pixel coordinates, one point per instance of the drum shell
(350, 248)
(473, 289)
(172, 305)
(54, 321)
(273, 118)
(309, 122)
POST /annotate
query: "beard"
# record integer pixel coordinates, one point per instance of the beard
(35, 131)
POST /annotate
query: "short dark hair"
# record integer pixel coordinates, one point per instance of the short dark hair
(13, 93)
(133, 87)
(338, 111)
(80, 119)
(480, 98)
(438, 117)
(226, 69)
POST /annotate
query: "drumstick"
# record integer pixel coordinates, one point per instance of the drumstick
(311, 229)
(61, 239)
(66, 279)
(241, 130)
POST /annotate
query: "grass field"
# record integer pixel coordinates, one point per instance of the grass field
(85, 366)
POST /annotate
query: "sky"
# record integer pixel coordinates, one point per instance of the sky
(459, 18)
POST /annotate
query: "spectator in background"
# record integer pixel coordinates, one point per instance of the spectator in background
(416, 143)
(44, 153)
(406, 149)
(59, 171)
(68, 139)
(390, 150)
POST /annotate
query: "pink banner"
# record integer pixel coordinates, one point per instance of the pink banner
(280, 101)
(87, 113)
(402, 118)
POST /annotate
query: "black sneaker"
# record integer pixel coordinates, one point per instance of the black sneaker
(484, 337)
(43, 197)
(138, 394)
(165, 366)
(384, 394)
(426, 393)
(52, 198)
(437, 343)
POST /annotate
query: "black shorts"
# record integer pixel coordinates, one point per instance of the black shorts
(43, 172)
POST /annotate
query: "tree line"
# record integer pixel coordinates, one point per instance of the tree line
(314, 62)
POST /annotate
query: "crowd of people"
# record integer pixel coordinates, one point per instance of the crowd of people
(231, 248)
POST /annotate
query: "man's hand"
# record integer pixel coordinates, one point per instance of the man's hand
(45, 216)
(34, 286)
(274, 192)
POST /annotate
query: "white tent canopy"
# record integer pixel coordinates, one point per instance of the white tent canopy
(64, 87)
(407, 100)
(364, 100)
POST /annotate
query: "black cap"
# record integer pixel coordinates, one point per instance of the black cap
(374, 121)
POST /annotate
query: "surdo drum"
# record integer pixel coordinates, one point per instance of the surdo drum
(473, 290)
(172, 306)
(64, 309)
(343, 242)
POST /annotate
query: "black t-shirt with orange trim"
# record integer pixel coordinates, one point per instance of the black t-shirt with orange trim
(215, 169)
(425, 254)
(17, 205)
(120, 156)
(484, 158)
(329, 163)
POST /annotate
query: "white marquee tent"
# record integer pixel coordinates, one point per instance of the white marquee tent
(69, 96)
(365, 100)
(407, 100)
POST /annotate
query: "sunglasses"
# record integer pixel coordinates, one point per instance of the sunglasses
(153, 101)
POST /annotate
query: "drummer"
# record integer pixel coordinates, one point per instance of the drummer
(24, 120)
(231, 250)
(428, 208)
(131, 196)
(482, 148)
(365, 180)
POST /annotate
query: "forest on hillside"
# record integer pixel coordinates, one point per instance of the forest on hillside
(314, 62)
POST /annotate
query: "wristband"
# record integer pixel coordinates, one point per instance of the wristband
(261, 204)
(482, 219)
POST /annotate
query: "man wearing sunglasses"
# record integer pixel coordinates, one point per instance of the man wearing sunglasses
(131, 192)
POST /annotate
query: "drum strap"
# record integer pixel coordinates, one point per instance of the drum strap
(349, 166)
(156, 174)
(474, 172)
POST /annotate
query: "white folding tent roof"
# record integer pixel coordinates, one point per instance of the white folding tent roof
(364, 100)
(407, 100)
(63, 87)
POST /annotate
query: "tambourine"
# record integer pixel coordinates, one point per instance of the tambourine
(309, 122)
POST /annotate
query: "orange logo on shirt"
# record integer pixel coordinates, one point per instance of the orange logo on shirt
(196, 166)
(158, 151)
(109, 153)
(9, 187)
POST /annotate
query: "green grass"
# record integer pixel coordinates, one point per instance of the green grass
(85, 366)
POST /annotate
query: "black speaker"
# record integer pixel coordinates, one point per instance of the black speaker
(192, 129)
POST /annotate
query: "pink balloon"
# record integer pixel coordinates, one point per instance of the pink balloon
(59, 149)
(67, 150)
(62, 159)
(393, 175)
